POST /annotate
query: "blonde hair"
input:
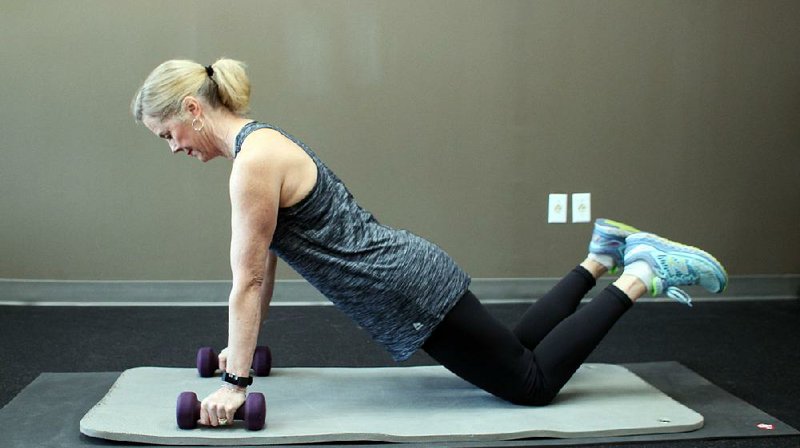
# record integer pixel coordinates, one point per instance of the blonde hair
(161, 96)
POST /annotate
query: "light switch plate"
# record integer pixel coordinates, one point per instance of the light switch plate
(557, 208)
(581, 207)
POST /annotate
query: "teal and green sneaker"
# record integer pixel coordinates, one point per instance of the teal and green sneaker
(608, 238)
(675, 264)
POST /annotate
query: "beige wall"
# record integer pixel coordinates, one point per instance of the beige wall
(453, 119)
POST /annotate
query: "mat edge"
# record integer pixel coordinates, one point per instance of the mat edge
(381, 438)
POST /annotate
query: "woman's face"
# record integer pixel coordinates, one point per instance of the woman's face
(180, 137)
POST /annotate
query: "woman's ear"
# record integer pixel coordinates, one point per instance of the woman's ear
(192, 107)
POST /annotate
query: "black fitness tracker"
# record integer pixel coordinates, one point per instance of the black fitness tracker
(237, 380)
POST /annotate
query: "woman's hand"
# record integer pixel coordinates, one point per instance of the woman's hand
(219, 407)
(223, 359)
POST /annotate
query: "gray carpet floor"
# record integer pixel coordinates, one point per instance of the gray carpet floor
(749, 348)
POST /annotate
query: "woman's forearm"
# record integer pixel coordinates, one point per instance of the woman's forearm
(244, 322)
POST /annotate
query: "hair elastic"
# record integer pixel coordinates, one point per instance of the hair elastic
(209, 71)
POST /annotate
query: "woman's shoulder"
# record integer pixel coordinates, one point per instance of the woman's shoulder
(266, 155)
(266, 145)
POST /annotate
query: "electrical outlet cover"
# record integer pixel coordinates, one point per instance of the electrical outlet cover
(581, 207)
(557, 208)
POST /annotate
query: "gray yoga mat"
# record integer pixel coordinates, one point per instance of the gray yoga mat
(393, 404)
(47, 412)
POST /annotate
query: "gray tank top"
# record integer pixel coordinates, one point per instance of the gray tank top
(395, 285)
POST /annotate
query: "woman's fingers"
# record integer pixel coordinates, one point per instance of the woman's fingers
(219, 408)
(223, 359)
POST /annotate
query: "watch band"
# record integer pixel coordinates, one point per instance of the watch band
(241, 381)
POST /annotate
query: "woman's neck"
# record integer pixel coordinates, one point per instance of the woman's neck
(225, 128)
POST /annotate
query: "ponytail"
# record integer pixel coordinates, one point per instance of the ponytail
(221, 84)
(233, 85)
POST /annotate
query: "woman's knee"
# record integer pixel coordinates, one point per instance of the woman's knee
(538, 397)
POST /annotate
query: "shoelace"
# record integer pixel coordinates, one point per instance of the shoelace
(685, 278)
(679, 295)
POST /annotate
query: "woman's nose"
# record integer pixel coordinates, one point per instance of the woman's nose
(173, 147)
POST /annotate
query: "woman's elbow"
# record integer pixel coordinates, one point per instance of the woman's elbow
(247, 284)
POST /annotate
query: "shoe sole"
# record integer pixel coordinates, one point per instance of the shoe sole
(614, 228)
(695, 253)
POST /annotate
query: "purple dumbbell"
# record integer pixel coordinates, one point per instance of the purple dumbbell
(253, 411)
(208, 361)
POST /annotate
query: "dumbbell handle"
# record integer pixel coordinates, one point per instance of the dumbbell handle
(238, 415)
(253, 411)
(208, 361)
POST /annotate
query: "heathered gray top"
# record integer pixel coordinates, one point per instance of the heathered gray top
(394, 284)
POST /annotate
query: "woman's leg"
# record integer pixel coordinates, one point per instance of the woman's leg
(566, 347)
(475, 346)
(478, 348)
(606, 251)
(560, 302)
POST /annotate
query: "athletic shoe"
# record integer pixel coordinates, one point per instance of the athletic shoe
(675, 264)
(608, 238)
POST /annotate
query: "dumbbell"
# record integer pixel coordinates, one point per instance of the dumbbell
(253, 411)
(208, 361)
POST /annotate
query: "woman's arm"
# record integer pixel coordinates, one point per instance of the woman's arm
(266, 297)
(255, 188)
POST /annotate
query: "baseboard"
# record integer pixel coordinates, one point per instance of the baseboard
(300, 292)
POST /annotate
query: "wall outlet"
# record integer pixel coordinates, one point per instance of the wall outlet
(557, 208)
(581, 207)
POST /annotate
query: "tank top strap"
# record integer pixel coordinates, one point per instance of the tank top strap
(244, 132)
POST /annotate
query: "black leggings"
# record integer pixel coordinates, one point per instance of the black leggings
(530, 364)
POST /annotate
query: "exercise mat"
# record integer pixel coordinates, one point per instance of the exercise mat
(397, 404)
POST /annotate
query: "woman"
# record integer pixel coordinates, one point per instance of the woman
(405, 291)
